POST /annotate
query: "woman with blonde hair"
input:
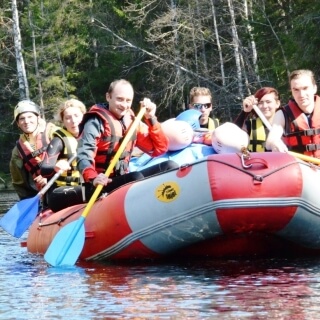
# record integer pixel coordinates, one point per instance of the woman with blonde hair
(66, 191)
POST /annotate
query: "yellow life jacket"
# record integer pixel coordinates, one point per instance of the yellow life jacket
(258, 135)
(70, 177)
(212, 124)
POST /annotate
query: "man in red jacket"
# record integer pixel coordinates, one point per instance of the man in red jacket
(103, 129)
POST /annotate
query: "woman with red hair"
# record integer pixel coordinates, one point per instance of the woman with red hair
(268, 101)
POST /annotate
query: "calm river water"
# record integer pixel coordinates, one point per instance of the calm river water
(229, 289)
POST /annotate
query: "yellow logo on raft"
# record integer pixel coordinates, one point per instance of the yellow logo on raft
(168, 191)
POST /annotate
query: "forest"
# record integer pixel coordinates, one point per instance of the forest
(57, 49)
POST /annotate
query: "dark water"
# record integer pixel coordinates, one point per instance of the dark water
(227, 289)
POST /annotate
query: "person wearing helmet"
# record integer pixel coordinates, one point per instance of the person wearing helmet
(28, 152)
(201, 100)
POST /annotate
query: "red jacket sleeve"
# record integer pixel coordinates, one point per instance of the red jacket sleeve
(151, 138)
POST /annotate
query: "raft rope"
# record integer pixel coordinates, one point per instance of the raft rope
(207, 208)
(58, 222)
(255, 176)
(199, 211)
(195, 212)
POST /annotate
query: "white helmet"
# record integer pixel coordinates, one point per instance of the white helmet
(25, 106)
(229, 138)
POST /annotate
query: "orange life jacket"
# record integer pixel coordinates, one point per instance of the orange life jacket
(302, 134)
(31, 158)
(112, 136)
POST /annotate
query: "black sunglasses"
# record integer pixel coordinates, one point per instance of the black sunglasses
(199, 106)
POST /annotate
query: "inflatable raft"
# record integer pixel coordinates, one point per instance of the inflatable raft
(223, 205)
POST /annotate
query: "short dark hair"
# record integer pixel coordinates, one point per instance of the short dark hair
(114, 83)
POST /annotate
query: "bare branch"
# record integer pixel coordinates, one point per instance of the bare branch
(131, 45)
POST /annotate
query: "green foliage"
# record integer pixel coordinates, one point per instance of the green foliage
(163, 47)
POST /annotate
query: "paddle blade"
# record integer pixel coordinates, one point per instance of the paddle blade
(19, 218)
(67, 245)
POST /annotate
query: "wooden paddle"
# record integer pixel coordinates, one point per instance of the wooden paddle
(67, 245)
(19, 218)
(269, 127)
(305, 158)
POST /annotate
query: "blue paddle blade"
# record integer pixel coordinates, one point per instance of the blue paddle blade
(67, 245)
(19, 218)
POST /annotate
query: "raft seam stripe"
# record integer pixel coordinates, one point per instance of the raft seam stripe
(186, 215)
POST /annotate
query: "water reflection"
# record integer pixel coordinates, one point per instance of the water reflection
(7, 200)
(229, 289)
(226, 289)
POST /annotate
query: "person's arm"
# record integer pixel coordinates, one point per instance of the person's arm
(51, 156)
(241, 119)
(21, 180)
(151, 138)
(247, 106)
(274, 140)
(87, 148)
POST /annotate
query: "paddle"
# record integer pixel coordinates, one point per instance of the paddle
(67, 245)
(269, 127)
(19, 218)
(262, 117)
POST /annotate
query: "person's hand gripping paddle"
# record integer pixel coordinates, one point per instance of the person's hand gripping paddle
(19, 218)
(68, 243)
(269, 127)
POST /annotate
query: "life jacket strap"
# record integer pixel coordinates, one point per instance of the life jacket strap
(307, 132)
(312, 147)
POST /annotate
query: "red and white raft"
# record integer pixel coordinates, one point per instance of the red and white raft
(219, 206)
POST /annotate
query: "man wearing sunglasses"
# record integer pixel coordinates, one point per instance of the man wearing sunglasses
(201, 99)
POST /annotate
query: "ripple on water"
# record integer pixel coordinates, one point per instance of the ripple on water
(226, 289)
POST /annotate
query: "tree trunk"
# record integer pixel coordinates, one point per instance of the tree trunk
(204, 57)
(248, 15)
(215, 25)
(235, 42)
(35, 59)
(21, 70)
